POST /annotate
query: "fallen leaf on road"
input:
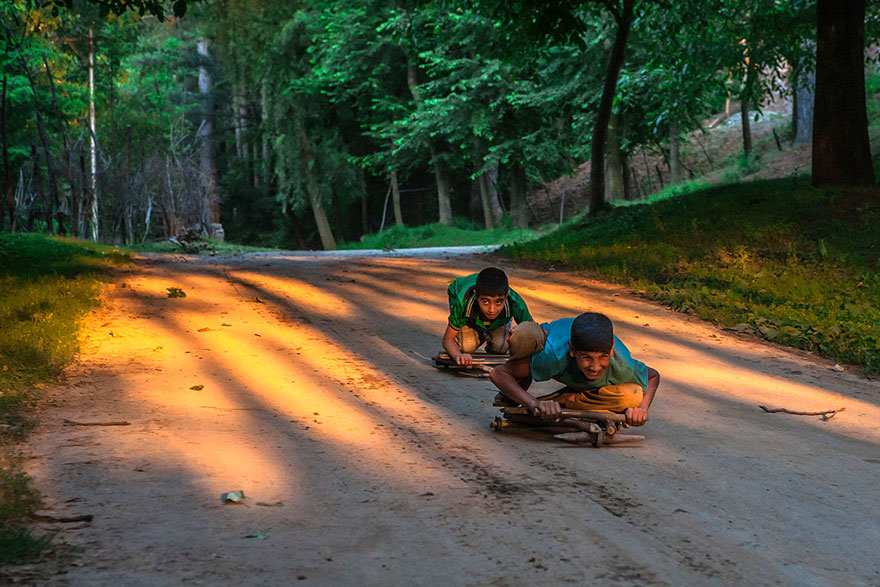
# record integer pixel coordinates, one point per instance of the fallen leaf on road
(232, 496)
(159, 349)
(257, 535)
(197, 387)
(205, 329)
(264, 504)
(255, 300)
(175, 292)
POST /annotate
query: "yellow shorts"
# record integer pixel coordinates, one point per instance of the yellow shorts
(611, 398)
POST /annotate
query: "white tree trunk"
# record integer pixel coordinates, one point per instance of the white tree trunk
(210, 198)
(93, 145)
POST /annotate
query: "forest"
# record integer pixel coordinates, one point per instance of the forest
(308, 124)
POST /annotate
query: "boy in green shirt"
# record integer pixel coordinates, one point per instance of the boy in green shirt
(582, 353)
(481, 307)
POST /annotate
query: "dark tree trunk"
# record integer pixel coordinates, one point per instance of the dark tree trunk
(674, 153)
(67, 154)
(614, 188)
(44, 139)
(746, 126)
(519, 212)
(841, 148)
(600, 128)
(6, 178)
(444, 202)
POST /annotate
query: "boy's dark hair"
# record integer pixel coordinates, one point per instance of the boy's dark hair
(491, 281)
(592, 333)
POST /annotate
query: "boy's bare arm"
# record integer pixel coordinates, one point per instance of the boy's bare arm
(638, 416)
(451, 347)
(507, 378)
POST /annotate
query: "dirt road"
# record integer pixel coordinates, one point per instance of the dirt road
(303, 381)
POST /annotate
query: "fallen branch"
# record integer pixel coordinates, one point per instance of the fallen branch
(63, 520)
(607, 416)
(826, 414)
(119, 423)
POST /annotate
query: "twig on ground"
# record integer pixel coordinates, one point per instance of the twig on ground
(826, 414)
(119, 423)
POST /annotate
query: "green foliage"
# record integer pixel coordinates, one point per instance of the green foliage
(776, 258)
(462, 233)
(47, 286)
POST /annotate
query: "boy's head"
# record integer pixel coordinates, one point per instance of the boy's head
(591, 343)
(491, 291)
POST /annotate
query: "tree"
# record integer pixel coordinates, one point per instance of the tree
(841, 149)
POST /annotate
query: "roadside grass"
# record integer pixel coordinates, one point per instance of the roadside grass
(461, 233)
(47, 287)
(208, 246)
(778, 258)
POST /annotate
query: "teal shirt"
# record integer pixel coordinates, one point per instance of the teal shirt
(554, 362)
(465, 311)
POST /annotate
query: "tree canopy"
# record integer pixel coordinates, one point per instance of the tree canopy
(309, 114)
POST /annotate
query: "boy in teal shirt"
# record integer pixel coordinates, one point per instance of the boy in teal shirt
(582, 353)
(481, 307)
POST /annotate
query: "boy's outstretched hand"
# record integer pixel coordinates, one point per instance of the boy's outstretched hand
(636, 416)
(549, 410)
(465, 360)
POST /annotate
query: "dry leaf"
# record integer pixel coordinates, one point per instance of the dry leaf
(197, 387)
(205, 329)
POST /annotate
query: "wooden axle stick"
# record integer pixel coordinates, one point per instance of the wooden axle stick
(606, 416)
(73, 423)
(826, 414)
(583, 437)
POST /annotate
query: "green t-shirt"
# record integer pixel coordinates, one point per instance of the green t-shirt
(554, 362)
(465, 311)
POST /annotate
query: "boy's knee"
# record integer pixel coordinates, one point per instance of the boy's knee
(468, 340)
(625, 395)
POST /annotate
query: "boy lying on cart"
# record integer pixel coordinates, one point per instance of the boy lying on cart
(583, 354)
(481, 307)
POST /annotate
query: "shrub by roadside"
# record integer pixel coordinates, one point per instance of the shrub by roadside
(793, 264)
(47, 287)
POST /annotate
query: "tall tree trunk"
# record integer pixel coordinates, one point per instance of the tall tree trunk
(674, 152)
(37, 178)
(211, 199)
(746, 126)
(67, 154)
(264, 127)
(841, 148)
(444, 203)
(494, 199)
(6, 178)
(484, 200)
(519, 212)
(600, 126)
(44, 140)
(93, 144)
(395, 198)
(324, 231)
(362, 184)
(614, 189)
(802, 110)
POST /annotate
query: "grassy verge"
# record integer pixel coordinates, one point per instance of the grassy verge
(439, 235)
(47, 287)
(793, 264)
(202, 247)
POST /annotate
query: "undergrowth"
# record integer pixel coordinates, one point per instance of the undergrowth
(793, 264)
(47, 286)
(461, 233)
